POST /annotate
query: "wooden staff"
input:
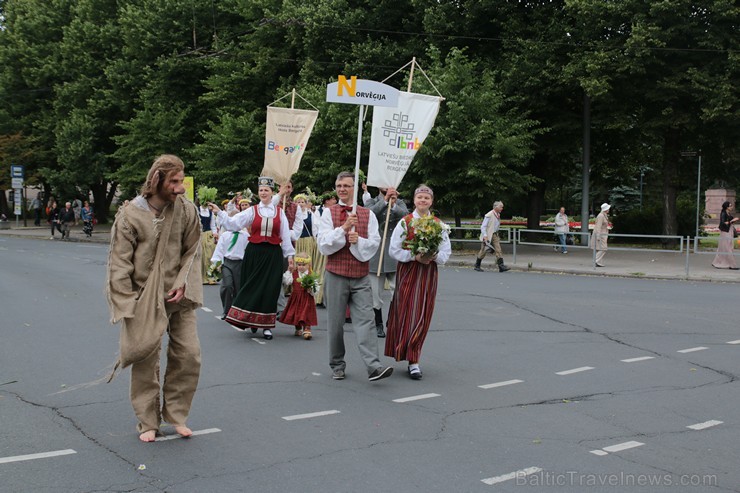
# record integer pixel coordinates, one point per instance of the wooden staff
(385, 234)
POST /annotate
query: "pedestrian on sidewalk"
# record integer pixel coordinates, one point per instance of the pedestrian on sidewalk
(35, 206)
(725, 258)
(53, 218)
(154, 286)
(561, 230)
(67, 218)
(489, 237)
(601, 234)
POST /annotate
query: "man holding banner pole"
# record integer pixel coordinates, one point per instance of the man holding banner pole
(348, 237)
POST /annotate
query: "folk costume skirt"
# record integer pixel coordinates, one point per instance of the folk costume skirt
(301, 308)
(255, 305)
(411, 310)
(208, 247)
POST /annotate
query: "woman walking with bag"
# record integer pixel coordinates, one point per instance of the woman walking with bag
(724, 258)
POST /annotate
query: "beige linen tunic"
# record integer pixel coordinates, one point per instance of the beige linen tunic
(602, 229)
(150, 256)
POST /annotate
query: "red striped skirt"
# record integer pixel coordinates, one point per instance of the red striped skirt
(411, 310)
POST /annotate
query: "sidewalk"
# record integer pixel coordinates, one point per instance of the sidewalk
(642, 264)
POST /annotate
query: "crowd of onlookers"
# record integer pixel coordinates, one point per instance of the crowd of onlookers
(62, 218)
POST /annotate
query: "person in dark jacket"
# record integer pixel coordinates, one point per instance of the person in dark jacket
(724, 258)
(67, 218)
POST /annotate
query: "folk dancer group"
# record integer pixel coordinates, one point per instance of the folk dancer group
(155, 282)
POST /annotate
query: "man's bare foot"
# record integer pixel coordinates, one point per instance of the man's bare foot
(183, 431)
(148, 436)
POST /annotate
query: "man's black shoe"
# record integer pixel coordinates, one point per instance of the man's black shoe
(380, 373)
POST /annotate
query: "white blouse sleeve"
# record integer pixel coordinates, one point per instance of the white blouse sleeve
(285, 237)
(397, 238)
(237, 222)
(445, 249)
(330, 239)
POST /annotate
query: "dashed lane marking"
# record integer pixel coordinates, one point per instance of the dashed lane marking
(43, 455)
(416, 397)
(618, 447)
(310, 415)
(634, 360)
(499, 384)
(705, 424)
(257, 340)
(692, 349)
(734, 342)
(195, 433)
(206, 309)
(574, 370)
(512, 475)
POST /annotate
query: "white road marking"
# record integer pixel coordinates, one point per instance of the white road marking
(43, 455)
(622, 446)
(206, 309)
(175, 437)
(633, 360)
(574, 370)
(316, 374)
(310, 415)
(734, 342)
(258, 341)
(706, 424)
(511, 475)
(218, 317)
(692, 349)
(599, 452)
(416, 397)
(499, 384)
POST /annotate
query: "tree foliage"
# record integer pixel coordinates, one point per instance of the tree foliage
(93, 90)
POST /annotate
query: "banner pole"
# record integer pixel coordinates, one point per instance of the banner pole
(385, 235)
(357, 161)
(292, 100)
(411, 77)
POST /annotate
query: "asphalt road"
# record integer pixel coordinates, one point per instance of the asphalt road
(524, 373)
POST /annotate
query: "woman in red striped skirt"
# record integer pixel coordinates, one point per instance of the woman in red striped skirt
(416, 287)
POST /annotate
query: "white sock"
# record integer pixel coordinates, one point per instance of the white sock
(414, 367)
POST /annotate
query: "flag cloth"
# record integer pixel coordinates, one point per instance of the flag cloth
(286, 136)
(398, 133)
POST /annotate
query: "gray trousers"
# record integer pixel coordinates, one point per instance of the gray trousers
(377, 282)
(338, 291)
(231, 275)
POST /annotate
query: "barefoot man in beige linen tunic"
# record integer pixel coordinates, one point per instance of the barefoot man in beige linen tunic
(154, 285)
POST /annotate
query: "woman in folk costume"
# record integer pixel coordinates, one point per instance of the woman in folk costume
(208, 239)
(255, 306)
(301, 308)
(416, 287)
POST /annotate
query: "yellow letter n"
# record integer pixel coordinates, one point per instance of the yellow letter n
(342, 85)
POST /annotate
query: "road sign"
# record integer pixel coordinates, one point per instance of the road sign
(688, 153)
(17, 202)
(16, 171)
(17, 182)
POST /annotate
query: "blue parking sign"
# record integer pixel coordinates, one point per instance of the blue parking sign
(16, 171)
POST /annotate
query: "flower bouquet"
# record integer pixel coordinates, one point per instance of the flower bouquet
(206, 194)
(428, 235)
(214, 271)
(310, 282)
